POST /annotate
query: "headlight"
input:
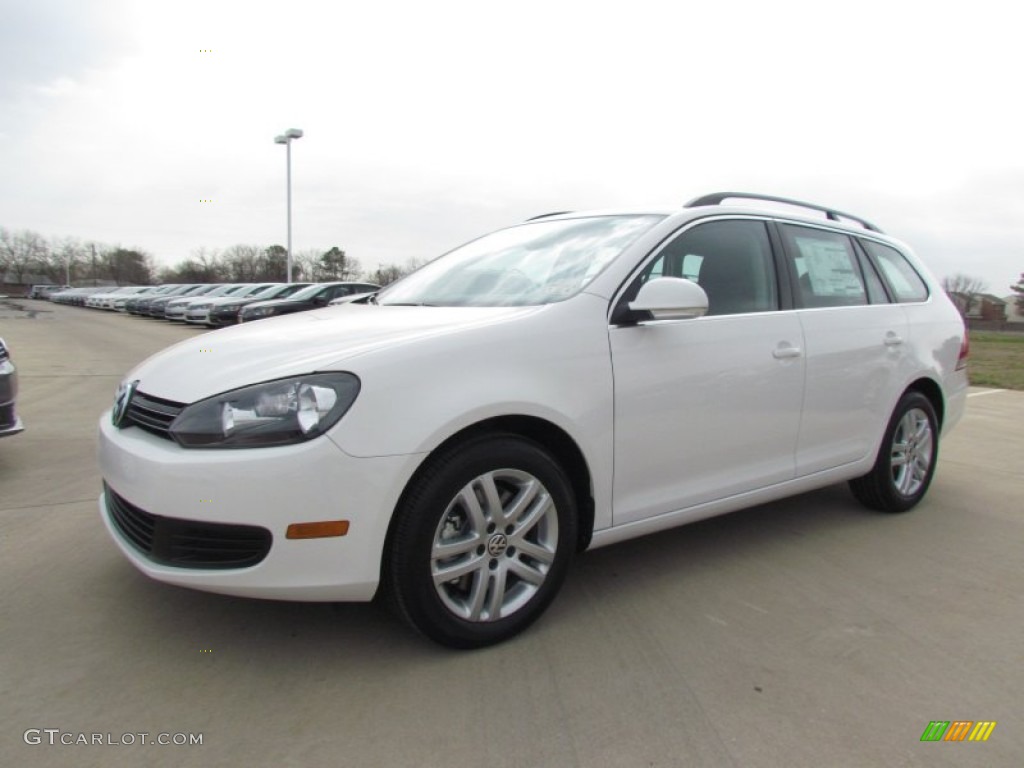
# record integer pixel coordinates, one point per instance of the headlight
(278, 412)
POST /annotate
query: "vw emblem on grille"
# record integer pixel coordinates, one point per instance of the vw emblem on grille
(121, 401)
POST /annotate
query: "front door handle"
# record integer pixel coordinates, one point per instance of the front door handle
(786, 352)
(893, 339)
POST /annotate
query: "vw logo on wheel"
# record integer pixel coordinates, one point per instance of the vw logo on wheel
(121, 401)
(497, 544)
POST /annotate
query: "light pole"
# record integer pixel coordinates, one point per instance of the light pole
(286, 139)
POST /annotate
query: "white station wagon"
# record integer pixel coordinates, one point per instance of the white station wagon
(566, 383)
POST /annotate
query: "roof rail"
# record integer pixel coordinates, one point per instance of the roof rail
(716, 198)
(545, 215)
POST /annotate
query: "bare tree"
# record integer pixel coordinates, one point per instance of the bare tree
(241, 263)
(204, 267)
(335, 264)
(274, 263)
(65, 259)
(23, 253)
(1019, 290)
(6, 237)
(963, 289)
(389, 273)
(306, 266)
(128, 266)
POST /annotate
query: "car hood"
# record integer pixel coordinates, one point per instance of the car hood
(319, 340)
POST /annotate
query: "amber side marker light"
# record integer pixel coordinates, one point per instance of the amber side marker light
(322, 530)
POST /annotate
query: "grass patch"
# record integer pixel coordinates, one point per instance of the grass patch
(997, 360)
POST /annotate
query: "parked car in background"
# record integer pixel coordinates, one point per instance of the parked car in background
(315, 296)
(203, 290)
(120, 302)
(177, 309)
(155, 308)
(105, 299)
(137, 304)
(76, 296)
(224, 311)
(44, 291)
(10, 423)
(566, 383)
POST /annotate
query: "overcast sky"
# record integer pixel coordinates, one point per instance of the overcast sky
(428, 123)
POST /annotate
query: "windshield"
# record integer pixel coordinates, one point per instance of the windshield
(280, 291)
(539, 262)
(254, 290)
(309, 291)
(223, 290)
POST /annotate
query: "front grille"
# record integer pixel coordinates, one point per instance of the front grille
(187, 543)
(153, 414)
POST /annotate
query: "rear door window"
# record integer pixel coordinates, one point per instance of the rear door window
(826, 267)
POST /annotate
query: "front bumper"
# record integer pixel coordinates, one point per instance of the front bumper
(223, 317)
(201, 316)
(270, 488)
(9, 425)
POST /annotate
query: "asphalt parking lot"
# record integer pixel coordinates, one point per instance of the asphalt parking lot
(807, 632)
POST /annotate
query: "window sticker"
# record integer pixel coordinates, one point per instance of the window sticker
(829, 267)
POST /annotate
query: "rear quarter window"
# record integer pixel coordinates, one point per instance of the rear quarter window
(906, 285)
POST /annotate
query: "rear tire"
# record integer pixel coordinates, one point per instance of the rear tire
(482, 541)
(906, 459)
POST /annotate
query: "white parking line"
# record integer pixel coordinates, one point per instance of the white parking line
(985, 392)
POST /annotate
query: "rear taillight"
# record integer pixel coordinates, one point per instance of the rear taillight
(965, 351)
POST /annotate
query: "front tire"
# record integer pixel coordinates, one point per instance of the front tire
(482, 541)
(906, 460)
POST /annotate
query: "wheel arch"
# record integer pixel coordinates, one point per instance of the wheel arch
(551, 437)
(930, 389)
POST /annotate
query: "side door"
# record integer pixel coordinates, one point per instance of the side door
(854, 341)
(709, 407)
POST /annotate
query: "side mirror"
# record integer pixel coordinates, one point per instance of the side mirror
(671, 298)
(320, 300)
